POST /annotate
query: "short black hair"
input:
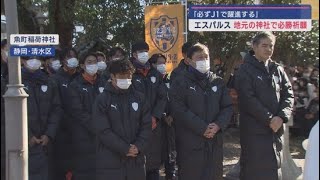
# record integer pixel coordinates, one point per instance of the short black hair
(186, 46)
(263, 35)
(121, 66)
(155, 57)
(196, 48)
(114, 50)
(66, 52)
(83, 59)
(138, 46)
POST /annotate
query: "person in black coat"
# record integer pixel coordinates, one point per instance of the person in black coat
(148, 81)
(167, 142)
(266, 102)
(122, 122)
(201, 109)
(44, 114)
(183, 64)
(83, 91)
(62, 146)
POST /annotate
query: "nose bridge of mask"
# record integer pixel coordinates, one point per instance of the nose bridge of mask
(56, 63)
(102, 65)
(34, 63)
(73, 62)
(143, 56)
(124, 83)
(92, 68)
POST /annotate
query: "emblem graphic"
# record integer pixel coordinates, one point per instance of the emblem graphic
(164, 32)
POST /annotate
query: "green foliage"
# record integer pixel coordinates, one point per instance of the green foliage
(115, 21)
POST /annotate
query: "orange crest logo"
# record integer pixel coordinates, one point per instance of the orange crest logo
(164, 32)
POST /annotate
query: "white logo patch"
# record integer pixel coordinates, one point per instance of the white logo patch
(101, 89)
(259, 77)
(214, 88)
(193, 88)
(168, 85)
(138, 80)
(135, 106)
(65, 85)
(114, 106)
(44, 88)
(85, 89)
(153, 79)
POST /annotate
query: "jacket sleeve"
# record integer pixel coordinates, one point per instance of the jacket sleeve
(103, 129)
(145, 131)
(55, 111)
(226, 109)
(247, 99)
(180, 112)
(286, 98)
(79, 113)
(161, 102)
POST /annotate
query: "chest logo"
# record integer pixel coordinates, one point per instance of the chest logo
(139, 80)
(214, 88)
(85, 89)
(259, 77)
(44, 88)
(101, 89)
(153, 79)
(135, 106)
(114, 106)
(193, 88)
(65, 85)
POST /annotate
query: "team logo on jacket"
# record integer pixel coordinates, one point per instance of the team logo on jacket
(259, 77)
(214, 88)
(168, 85)
(164, 32)
(135, 106)
(85, 89)
(153, 79)
(114, 106)
(44, 88)
(65, 85)
(193, 88)
(101, 89)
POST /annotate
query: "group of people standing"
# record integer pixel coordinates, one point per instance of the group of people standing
(90, 119)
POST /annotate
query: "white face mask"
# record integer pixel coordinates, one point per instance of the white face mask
(203, 66)
(161, 68)
(143, 57)
(33, 64)
(102, 65)
(56, 65)
(124, 83)
(91, 69)
(72, 62)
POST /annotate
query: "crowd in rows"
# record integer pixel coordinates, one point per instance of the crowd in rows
(113, 117)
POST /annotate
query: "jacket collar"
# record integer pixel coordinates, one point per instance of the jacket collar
(250, 59)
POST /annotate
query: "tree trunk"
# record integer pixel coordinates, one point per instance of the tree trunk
(62, 17)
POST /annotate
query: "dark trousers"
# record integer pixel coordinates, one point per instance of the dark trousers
(153, 174)
(38, 163)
